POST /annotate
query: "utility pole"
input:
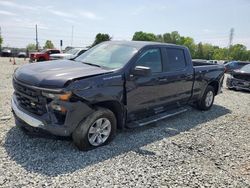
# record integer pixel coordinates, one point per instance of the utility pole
(72, 33)
(231, 36)
(36, 39)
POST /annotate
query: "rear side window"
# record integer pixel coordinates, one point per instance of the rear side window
(175, 60)
(55, 51)
(151, 58)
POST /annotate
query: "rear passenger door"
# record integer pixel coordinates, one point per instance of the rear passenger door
(179, 76)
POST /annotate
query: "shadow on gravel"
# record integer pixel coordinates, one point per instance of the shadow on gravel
(54, 157)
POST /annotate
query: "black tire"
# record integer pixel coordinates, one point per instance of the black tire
(80, 134)
(41, 59)
(201, 105)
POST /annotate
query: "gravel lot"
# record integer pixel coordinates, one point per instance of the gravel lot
(194, 149)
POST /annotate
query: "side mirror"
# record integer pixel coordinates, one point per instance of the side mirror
(141, 71)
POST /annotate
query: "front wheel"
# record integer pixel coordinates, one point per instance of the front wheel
(207, 100)
(96, 130)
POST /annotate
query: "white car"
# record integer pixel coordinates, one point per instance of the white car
(69, 54)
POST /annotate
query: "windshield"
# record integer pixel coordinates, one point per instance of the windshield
(44, 51)
(73, 51)
(113, 56)
(246, 68)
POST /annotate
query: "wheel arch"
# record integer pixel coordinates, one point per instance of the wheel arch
(215, 85)
(117, 108)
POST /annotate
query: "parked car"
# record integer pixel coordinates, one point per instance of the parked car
(213, 61)
(43, 55)
(239, 79)
(234, 65)
(205, 61)
(6, 53)
(114, 85)
(69, 54)
(22, 55)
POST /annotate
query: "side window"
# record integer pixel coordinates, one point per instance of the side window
(54, 52)
(151, 58)
(175, 60)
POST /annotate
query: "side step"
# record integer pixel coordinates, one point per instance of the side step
(156, 117)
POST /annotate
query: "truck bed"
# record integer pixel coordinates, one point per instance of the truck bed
(201, 63)
(205, 73)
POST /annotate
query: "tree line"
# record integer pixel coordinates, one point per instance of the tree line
(200, 50)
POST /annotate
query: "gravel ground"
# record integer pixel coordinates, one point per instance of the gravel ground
(194, 149)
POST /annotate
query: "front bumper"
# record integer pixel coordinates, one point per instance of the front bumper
(34, 122)
(77, 111)
(234, 83)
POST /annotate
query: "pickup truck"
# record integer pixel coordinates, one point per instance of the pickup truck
(43, 55)
(114, 85)
(71, 54)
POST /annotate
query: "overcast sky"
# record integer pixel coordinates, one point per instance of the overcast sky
(204, 20)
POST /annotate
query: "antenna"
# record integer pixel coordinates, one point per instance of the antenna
(72, 33)
(36, 39)
(231, 36)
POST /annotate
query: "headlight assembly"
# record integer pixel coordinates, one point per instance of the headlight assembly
(60, 96)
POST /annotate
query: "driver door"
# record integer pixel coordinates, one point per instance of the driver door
(144, 92)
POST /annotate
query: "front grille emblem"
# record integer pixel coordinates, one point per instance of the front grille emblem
(33, 104)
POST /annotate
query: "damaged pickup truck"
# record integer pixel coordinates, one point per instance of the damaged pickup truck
(114, 85)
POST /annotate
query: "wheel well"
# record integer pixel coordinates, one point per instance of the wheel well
(117, 109)
(215, 85)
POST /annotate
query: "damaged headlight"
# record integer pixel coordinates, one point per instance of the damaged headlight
(60, 96)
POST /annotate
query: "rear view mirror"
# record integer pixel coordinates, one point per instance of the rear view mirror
(142, 71)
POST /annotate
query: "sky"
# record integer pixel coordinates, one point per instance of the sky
(207, 21)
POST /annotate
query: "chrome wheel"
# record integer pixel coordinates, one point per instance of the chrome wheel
(209, 99)
(99, 131)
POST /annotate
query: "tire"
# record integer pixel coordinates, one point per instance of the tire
(207, 100)
(83, 135)
(41, 59)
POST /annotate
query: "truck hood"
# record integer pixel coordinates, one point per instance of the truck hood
(55, 74)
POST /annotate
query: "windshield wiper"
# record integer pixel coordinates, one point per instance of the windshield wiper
(92, 64)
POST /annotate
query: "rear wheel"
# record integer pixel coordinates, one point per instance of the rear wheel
(41, 59)
(207, 100)
(96, 130)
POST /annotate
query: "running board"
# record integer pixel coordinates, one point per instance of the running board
(156, 118)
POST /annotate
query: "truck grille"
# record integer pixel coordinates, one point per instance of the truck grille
(30, 99)
(242, 77)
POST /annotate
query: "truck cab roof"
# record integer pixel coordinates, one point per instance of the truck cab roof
(141, 44)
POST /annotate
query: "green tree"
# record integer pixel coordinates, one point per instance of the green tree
(1, 41)
(31, 47)
(173, 37)
(101, 38)
(189, 43)
(199, 51)
(208, 51)
(142, 36)
(238, 52)
(159, 38)
(48, 45)
(220, 53)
